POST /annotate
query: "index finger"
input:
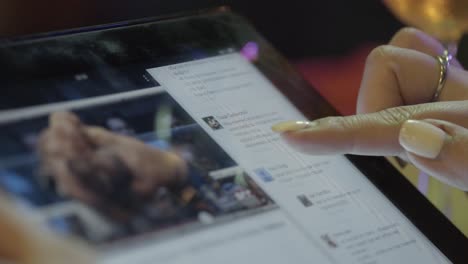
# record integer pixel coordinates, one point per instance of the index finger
(368, 134)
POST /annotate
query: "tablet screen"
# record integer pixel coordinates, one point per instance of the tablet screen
(186, 169)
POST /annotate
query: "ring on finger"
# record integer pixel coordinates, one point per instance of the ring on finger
(444, 63)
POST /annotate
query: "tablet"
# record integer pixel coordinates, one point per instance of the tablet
(151, 140)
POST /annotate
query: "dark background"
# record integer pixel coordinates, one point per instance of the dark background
(298, 28)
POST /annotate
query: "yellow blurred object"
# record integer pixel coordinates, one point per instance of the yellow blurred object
(450, 201)
(24, 241)
(446, 20)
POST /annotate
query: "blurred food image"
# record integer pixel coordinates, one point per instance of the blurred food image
(122, 169)
(102, 168)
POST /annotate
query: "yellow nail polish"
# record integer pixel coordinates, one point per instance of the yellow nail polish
(421, 138)
(290, 126)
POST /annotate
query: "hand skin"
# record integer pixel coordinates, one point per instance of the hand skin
(397, 88)
(23, 242)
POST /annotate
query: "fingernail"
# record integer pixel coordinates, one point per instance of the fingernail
(290, 126)
(421, 138)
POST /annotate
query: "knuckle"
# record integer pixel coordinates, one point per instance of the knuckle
(343, 122)
(405, 35)
(396, 115)
(350, 121)
(380, 54)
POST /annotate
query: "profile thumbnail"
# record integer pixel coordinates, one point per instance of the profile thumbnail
(305, 200)
(212, 122)
(264, 175)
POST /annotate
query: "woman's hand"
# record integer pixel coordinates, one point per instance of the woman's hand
(395, 113)
(23, 242)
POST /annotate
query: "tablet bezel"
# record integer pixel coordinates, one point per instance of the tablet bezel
(428, 219)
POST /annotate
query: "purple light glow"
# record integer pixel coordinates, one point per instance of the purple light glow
(423, 182)
(250, 51)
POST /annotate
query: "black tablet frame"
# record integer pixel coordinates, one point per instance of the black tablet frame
(429, 220)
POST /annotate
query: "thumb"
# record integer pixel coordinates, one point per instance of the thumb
(439, 148)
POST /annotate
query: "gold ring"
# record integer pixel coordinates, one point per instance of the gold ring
(444, 63)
